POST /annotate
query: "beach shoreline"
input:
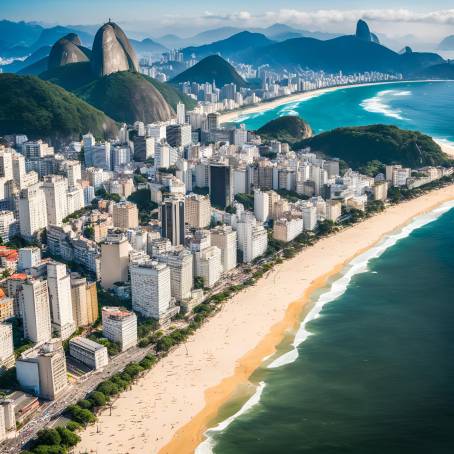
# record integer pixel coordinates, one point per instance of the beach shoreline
(234, 115)
(170, 408)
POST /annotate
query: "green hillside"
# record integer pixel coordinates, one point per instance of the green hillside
(31, 106)
(288, 129)
(77, 77)
(126, 97)
(360, 145)
(212, 68)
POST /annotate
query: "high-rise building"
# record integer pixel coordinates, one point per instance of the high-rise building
(252, 238)
(29, 257)
(144, 148)
(208, 265)
(32, 211)
(7, 357)
(213, 121)
(84, 300)
(225, 238)
(73, 172)
(42, 370)
(197, 211)
(9, 226)
(120, 326)
(181, 113)
(172, 219)
(59, 286)
(55, 190)
(310, 217)
(180, 264)
(125, 215)
(221, 187)
(151, 290)
(333, 210)
(19, 171)
(179, 135)
(114, 259)
(7, 418)
(6, 164)
(261, 205)
(35, 310)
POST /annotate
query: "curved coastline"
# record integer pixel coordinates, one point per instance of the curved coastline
(171, 407)
(235, 115)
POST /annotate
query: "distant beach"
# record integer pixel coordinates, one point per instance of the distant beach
(236, 115)
(170, 408)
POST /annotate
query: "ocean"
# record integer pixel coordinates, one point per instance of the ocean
(424, 106)
(371, 367)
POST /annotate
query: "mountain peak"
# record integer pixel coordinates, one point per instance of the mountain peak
(363, 31)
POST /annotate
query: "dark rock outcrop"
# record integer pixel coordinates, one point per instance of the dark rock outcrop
(112, 51)
(363, 31)
(67, 50)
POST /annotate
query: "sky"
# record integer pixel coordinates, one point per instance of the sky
(429, 20)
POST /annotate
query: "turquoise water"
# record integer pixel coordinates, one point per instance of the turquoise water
(372, 367)
(425, 106)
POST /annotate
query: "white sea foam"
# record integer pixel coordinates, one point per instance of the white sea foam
(357, 265)
(378, 103)
(206, 447)
(337, 288)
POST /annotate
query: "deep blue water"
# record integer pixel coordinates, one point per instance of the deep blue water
(376, 375)
(426, 106)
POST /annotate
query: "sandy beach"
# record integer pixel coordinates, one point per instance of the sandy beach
(169, 409)
(262, 107)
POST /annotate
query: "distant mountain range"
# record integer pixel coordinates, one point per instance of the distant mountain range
(276, 32)
(234, 47)
(350, 53)
(447, 43)
(212, 68)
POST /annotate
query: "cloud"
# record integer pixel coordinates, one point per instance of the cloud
(335, 16)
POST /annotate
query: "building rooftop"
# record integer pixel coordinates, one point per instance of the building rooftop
(86, 343)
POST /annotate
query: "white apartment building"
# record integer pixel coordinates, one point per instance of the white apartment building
(151, 289)
(35, 310)
(73, 170)
(42, 370)
(286, 230)
(120, 326)
(252, 239)
(55, 188)
(88, 352)
(208, 265)
(225, 238)
(261, 205)
(310, 217)
(29, 257)
(7, 419)
(333, 210)
(6, 347)
(6, 164)
(197, 211)
(9, 227)
(180, 263)
(59, 286)
(32, 211)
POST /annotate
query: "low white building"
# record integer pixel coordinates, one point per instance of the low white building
(120, 326)
(89, 352)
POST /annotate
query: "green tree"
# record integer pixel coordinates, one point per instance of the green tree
(97, 398)
(49, 437)
(68, 438)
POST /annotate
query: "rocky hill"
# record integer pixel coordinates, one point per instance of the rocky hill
(289, 129)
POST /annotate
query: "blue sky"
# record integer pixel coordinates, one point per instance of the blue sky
(398, 17)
